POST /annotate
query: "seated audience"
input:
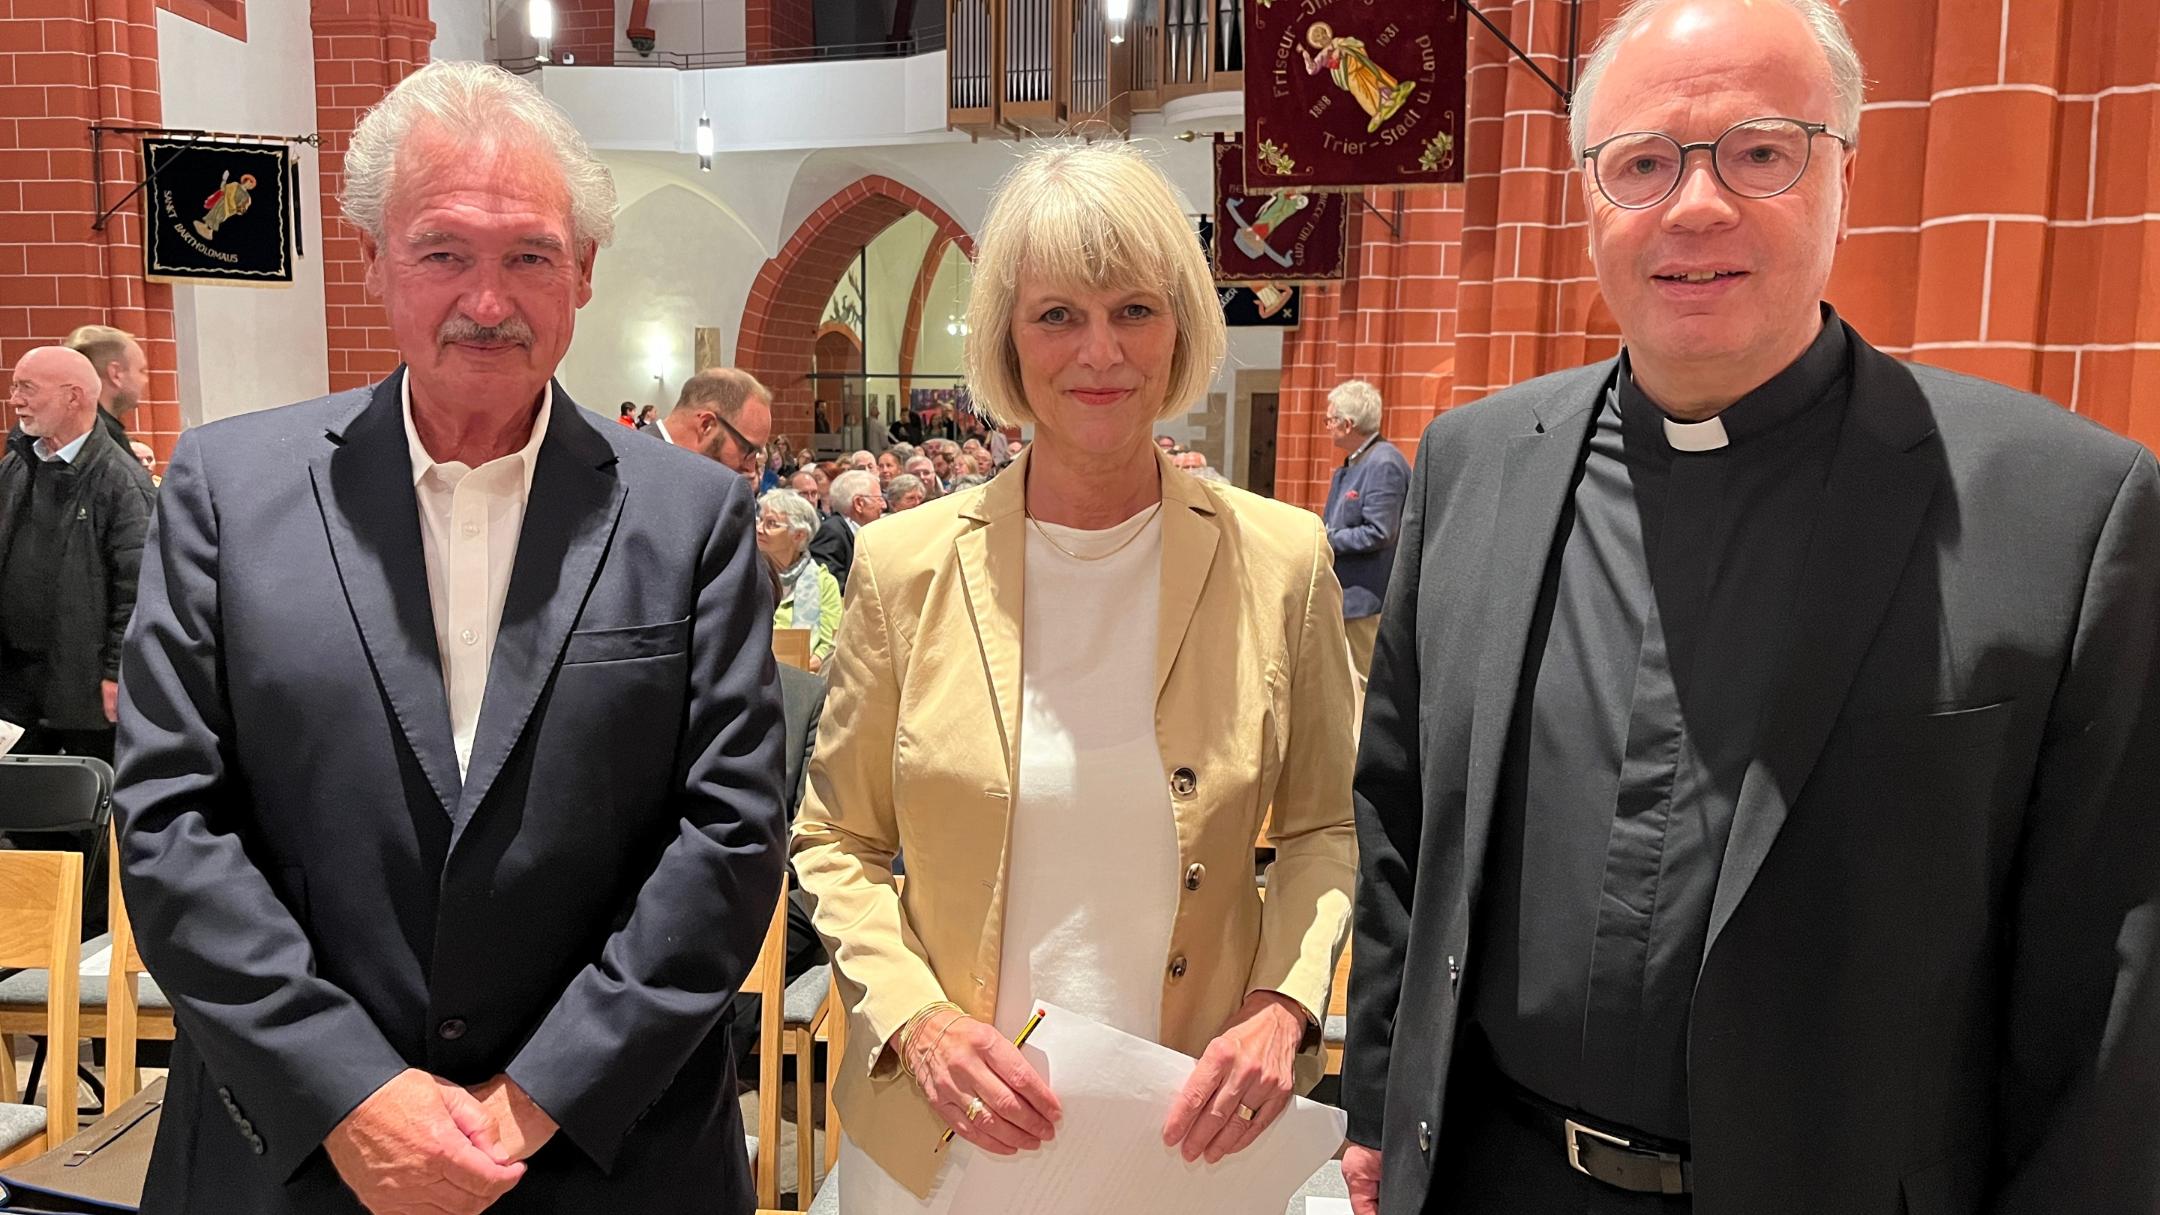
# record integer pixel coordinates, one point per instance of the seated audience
(856, 499)
(809, 594)
(904, 492)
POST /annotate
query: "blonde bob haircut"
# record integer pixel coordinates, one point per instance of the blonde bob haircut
(1094, 216)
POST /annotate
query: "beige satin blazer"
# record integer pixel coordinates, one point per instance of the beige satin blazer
(917, 752)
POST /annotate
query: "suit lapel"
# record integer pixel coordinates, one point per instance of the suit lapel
(1539, 466)
(364, 488)
(1188, 552)
(1881, 481)
(570, 516)
(993, 568)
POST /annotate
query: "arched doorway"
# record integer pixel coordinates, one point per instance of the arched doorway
(836, 361)
(780, 330)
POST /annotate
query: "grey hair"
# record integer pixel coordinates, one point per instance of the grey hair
(901, 486)
(1357, 403)
(1848, 80)
(850, 485)
(802, 518)
(902, 452)
(473, 101)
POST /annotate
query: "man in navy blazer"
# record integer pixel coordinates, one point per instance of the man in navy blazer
(450, 739)
(1363, 512)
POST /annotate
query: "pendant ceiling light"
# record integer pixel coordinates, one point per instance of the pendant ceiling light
(540, 23)
(704, 123)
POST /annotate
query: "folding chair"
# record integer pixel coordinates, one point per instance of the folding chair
(41, 926)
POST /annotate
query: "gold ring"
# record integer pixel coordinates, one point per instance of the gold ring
(1247, 1113)
(976, 1109)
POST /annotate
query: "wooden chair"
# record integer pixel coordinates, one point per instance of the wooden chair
(134, 1007)
(41, 927)
(123, 1014)
(792, 646)
(767, 981)
(805, 1010)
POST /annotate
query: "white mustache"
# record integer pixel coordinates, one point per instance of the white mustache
(465, 329)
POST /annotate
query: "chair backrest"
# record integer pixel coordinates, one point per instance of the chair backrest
(41, 928)
(123, 1016)
(791, 646)
(54, 793)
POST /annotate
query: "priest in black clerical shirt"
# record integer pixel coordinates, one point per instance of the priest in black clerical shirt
(1759, 799)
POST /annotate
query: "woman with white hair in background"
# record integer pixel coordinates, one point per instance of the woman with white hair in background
(1069, 696)
(809, 594)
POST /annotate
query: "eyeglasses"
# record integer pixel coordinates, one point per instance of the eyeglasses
(771, 523)
(753, 455)
(1759, 158)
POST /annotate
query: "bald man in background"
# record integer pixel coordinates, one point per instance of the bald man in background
(73, 509)
(123, 373)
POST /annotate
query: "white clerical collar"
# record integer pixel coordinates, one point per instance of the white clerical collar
(1707, 435)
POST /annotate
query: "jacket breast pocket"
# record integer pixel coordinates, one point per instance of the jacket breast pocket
(634, 641)
(1943, 731)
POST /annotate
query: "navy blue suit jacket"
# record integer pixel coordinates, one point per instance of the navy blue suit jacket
(1364, 518)
(328, 903)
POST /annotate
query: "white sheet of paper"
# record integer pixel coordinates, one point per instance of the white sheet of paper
(1327, 1206)
(1108, 1155)
(10, 734)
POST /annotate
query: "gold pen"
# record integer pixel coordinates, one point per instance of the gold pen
(1029, 1028)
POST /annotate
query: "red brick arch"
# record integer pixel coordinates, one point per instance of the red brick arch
(780, 323)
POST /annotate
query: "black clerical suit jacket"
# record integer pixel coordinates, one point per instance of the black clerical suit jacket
(1932, 982)
(328, 903)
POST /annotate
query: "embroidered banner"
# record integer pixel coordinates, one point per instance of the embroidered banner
(1341, 94)
(1275, 235)
(1247, 305)
(217, 212)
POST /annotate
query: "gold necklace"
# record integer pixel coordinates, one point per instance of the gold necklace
(1137, 532)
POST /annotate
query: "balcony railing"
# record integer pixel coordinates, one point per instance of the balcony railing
(698, 61)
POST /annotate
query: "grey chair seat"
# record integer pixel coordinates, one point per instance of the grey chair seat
(31, 988)
(1335, 1030)
(1327, 1183)
(800, 1004)
(18, 1124)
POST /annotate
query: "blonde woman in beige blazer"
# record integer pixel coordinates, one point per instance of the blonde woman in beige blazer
(1069, 699)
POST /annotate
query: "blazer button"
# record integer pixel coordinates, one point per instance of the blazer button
(1183, 783)
(1424, 1137)
(1193, 876)
(1177, 967)
(451, 1030)
(1454, 973)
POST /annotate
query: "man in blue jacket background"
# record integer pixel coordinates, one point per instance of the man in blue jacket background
(1364, 511)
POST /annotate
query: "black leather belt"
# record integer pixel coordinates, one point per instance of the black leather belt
(1628, 1161)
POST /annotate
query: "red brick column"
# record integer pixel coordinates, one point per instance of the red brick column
(363, 48)
(585, 31)
(1392, 322)
(776, 25)
(65, 64)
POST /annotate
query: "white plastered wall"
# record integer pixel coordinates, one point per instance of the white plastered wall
(247, 348)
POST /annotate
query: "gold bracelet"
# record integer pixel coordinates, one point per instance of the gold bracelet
(911, 1051)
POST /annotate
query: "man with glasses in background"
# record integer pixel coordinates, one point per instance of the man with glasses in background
(725, 415)
(1759, 797)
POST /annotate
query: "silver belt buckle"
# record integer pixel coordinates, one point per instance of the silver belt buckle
(1672, 1175)
(1574, 1143)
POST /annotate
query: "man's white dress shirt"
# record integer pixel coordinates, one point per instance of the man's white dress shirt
(470, 519)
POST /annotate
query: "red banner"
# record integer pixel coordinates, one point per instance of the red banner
(1275, 235)
(1341, 94)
